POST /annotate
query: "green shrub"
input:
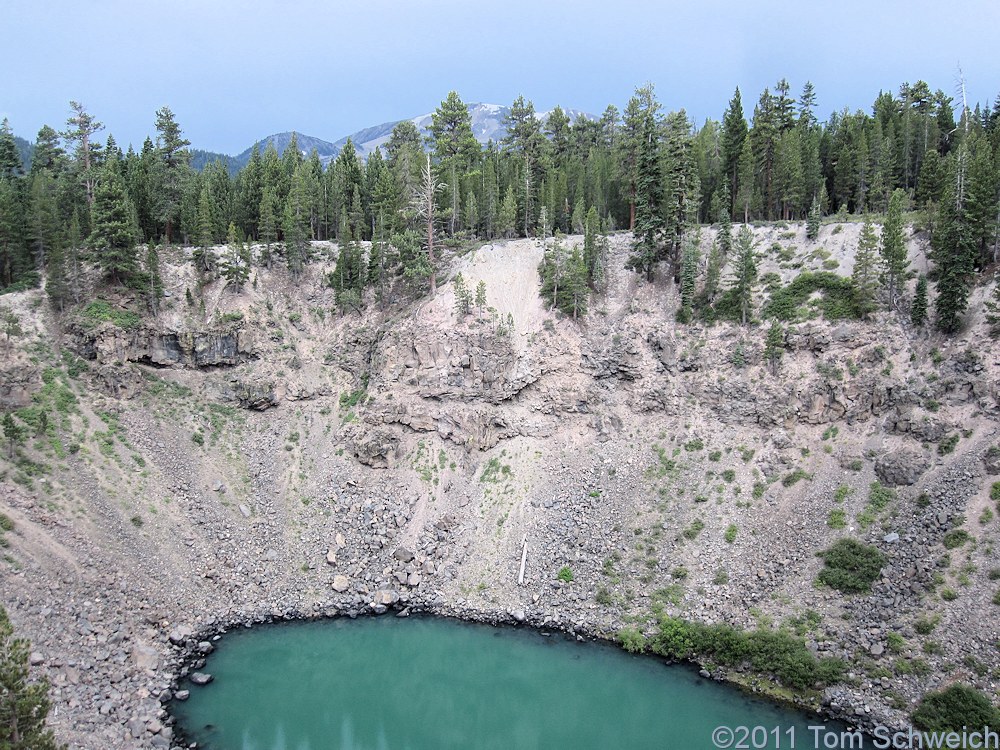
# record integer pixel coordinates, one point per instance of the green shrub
(632, 640)
(995, 491)
(758, 490)
(842, 493)
(729, 475)
(996, 598)
(692, 531)
(789, 479)
(851, 567)
(694, 445)
(955, 538)
(949, 595)
(100, 311)
(6, 523)
(925, 624)
(765, 651)
(603, 596)
(947, 445)
(837, 301)
(565, 574)
(953, 708)
(895, 643)
(836, 518)
(198, 438)
(731, 532)
(879, 497)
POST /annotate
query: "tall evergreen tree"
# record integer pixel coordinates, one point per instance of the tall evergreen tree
(894, 246)
(650, 222)
(744, 277)
(113, 237)
(734, 134)
(865, 277)
(82, 127)
(171, 171)
(455, 148)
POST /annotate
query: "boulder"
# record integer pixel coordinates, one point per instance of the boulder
(901, 468)
(341, 583)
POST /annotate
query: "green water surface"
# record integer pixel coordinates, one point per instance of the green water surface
(429, 684)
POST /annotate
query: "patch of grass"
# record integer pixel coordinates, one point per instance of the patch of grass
(850, 566)
(565, 574)
(494, 471)
(672, 594)
(691, 532)
(729, 475)
(758, 490)
(100, 311)
(731, 531)
(925, 624)
(350, 399)
(837, 300)
(842, 493)
(949, 595)
(791, 478)
(947, 445)
(895, 643)
(695, 444)
(836, 518)
(956, 538)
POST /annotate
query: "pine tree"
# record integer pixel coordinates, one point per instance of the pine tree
(954, 253)
(744, 272)
(864, 277)
(422, 204)
(575, 289)
(172, 169)
(56, 283)
(894, 246)
(455, 147)
(463, 298)
(113, 237)
(268, 225)
(204, 258)
(725, 236)
(918, 313)
(24, 705)
(734, 134)
(813, 220)
(650, 222)
(689, 274)
(507, 218)
(774, 346)
(713, 273)
(480, 297)
(83, 127)
(15, 434)
(235, 265)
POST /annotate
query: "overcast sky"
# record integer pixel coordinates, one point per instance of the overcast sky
(235, 72)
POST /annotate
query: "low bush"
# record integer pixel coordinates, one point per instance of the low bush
(850, 566)
(953, 708)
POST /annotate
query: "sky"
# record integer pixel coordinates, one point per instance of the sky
(235, 72)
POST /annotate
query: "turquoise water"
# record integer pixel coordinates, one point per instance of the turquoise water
(429, 684)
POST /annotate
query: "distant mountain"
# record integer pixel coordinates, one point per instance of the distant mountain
(201, 159)
(306, 144)
(487, 125)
